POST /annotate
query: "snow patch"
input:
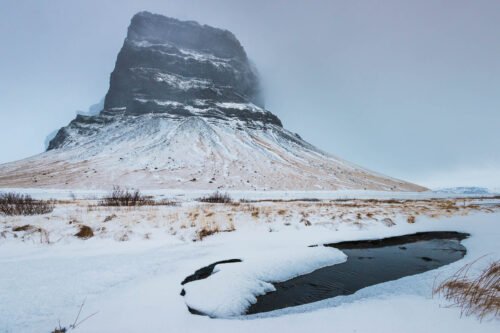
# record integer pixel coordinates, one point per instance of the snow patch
(205, 57)
(159, 102)
(240, 106)
(181, 82)
(232, 288)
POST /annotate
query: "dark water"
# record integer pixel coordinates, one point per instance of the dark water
(369, 263)
(206, 271)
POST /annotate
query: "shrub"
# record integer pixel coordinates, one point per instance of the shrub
(85, 232)
(475, 296)
(217, 197)
(126, 197)
(20, 204)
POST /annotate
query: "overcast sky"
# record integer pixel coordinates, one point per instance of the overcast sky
(407, 88)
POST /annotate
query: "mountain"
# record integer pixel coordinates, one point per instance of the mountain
(184, 110)
(467, 190)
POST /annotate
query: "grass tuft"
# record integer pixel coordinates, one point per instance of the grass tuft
(411, 219)
(206, 231)
(85, 232)
(478, 296)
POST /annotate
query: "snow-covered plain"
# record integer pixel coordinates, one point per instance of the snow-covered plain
(133, 283)
(189, 195)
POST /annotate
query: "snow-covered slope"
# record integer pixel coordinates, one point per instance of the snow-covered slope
(154, 151)
(184, 111)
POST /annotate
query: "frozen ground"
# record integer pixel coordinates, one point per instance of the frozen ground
(133, 282)
(189, 195)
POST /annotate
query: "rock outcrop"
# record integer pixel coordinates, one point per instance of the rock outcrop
(180, 69)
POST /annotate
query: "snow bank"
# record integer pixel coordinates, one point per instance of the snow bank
(232, 288)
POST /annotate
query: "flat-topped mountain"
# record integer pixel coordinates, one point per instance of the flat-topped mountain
(184, 110)
(180, 69)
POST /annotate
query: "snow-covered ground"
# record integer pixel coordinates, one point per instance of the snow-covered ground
(188, 195)
(133, 282)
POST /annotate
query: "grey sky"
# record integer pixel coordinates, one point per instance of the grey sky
(407, 88)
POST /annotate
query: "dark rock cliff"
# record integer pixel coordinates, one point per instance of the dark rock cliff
(177, 69)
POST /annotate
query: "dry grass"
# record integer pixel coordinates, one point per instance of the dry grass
(29, 231)
(109, 218)
(212, 223)
(478, 296)
(411, 219)
(206, 231)
(281, 212)
(85, 232)
(19, 204)
(25, 227)
(195, 221)
(75, 324)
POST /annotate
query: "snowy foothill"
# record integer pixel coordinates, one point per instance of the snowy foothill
(130, 272)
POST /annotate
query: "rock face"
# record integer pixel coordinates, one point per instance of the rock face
(184, 110)
(182, 69)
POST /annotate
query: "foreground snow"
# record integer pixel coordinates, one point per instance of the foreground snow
(216, 296)
(134, 285)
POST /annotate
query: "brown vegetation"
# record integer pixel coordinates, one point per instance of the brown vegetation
(206, 231)
(85, 232)
(25, 227)
(478, 296)
(411, 219)
(216, 197)
(30, 230)
(126, 197)
(19, 204)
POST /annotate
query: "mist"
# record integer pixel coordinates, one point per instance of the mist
(408, 89)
